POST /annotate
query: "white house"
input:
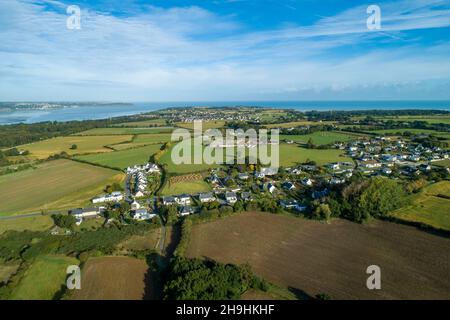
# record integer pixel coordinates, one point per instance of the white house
(288, 185)
(269, 171)
(85, 213)
(142, 214)
(139, 194)
(169, 201)
(135, 205)
(186, 210)
(231, 197)
(307, 182)
(183, 199)
(271, 188)
(206, 197)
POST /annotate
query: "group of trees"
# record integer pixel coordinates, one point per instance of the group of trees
(196, 279)
(64, 220)
(363, 199)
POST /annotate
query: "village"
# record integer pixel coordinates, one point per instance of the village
(292, 188)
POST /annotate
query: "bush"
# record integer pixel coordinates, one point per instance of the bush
(64, 221)
(195, 279)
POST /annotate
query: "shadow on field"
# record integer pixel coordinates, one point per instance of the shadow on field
(158, 264)
(300, 294)
(154, 278)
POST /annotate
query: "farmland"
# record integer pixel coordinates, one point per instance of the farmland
(330, 258)
(123, 159)
(123, 131)
(190, 184)
(112, 278)
(38, 223)
(298, 124)
(205, 125)
(289, 155)
(413, 131)
(43, 279)
(320, 138)
(292, 154)
(43, 149)
(143, 123)
(183, 168)
(58, 184)
(428, 118)
(429, 206)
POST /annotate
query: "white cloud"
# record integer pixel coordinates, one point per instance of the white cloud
(193, 54)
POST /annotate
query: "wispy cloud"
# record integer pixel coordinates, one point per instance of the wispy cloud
(190, 53)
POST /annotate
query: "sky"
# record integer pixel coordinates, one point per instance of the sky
(219, 50)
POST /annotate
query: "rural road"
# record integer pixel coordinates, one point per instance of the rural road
(28, 215)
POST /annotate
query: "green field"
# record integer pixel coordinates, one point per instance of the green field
(59, 184)
(289, 155)
(144, 123)
(38, 223)
(205, 125)
(428, 208)
(443, 163)
(190, 187)
(43, 279)
(292, 154)
(123, 159)
(320, 138)
(414, 131)
(432, 119)
(298, 124)
(171, 167)
(123, 131)
(43, 149)
(152, 138)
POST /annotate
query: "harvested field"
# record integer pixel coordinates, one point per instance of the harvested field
(314, 257)
(112, 278)
(59, 184)
(85, 144)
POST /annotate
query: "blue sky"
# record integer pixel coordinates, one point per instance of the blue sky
(217, 50)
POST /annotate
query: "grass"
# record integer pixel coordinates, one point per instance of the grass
(38, 223)
(428, 208)
(123, 159)
(292, 154)
(289, 155)
(205, 125)
(190, 187)
(43, 279)
(414, 131)
(144, 123)
(311, 257)
(171, 167)
(153, 138)
(123, 131)
(6, 271)
(428, 118)
(148, 241)
(92, 144)
(321, 138)
(443, 163)
(298, 124)
(59, 184)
